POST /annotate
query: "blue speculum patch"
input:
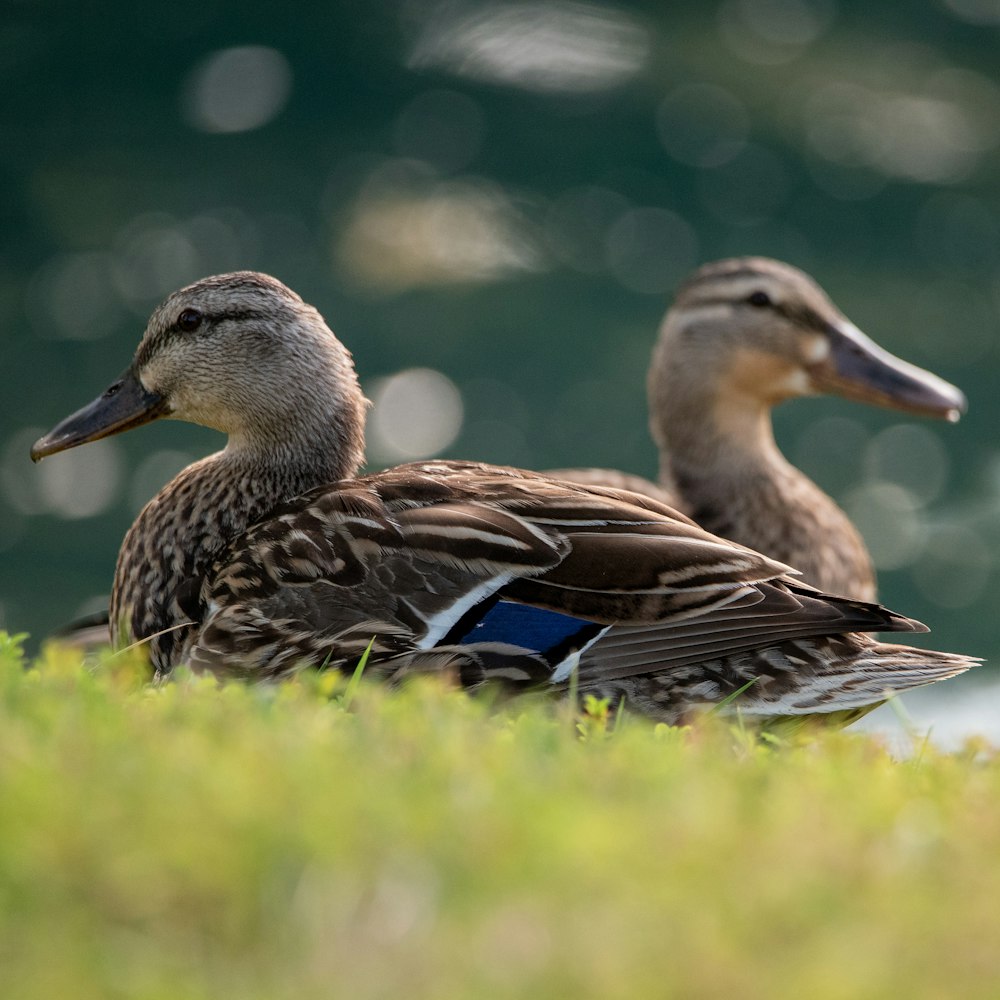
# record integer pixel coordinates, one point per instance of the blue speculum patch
(549, 633)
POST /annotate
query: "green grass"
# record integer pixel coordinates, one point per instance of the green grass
(197, 841)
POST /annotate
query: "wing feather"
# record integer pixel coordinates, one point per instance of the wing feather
(420, 552)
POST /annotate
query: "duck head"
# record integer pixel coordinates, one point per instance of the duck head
(239, 353)
(760, 331)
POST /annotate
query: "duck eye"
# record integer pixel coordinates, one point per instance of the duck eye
(189, 320)
(759, 299)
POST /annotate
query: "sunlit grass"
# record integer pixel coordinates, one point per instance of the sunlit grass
(304, 840)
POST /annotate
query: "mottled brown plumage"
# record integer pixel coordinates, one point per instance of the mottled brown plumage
(270, 555)
(290, 436)
(742, 336)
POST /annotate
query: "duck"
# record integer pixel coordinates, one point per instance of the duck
(743, 335)
(273, 554)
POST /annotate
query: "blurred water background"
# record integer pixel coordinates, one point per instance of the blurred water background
(491, 202)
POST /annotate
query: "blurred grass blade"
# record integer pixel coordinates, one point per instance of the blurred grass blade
(354, 683)
(730, 698)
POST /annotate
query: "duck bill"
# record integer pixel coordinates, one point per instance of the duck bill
(125, 403)
(859, 369)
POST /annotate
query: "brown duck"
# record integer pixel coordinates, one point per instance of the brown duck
(742, 336)
(271, 554)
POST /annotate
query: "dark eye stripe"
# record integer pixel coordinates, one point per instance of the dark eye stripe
(206, 320)
(237, 314)
(803, 315)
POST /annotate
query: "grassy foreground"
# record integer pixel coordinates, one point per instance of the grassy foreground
(193, 841)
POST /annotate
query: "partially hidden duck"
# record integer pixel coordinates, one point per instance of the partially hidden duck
(742, 336)
(272, 554)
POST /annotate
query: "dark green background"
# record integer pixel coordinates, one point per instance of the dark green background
(869, 157)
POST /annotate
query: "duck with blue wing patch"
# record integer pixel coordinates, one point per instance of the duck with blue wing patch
(272, 554)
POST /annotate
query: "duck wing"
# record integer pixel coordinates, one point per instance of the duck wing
(504, 575)
(444, 554)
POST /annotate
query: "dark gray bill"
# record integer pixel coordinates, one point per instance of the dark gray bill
(859, 369)
(123, 405)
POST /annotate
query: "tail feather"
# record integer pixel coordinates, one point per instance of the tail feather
(861, 681)
(835, 677)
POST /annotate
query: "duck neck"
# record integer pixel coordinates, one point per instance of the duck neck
(308, 432)
(717, 451)
(276, 462)
(722, 434)
(719, 455)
